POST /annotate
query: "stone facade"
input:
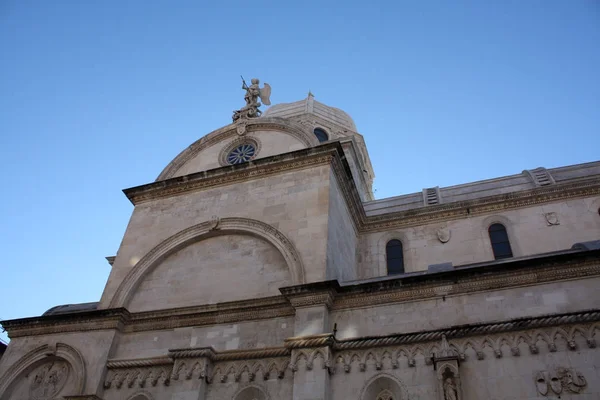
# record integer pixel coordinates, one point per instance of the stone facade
(269, 279)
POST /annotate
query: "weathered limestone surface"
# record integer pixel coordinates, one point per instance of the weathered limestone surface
(342, 239)
(528, 231)
(472, 308)
(198, 273)
(295, 203)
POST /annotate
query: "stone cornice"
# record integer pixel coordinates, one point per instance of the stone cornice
(470, 330)
(261, 168)
(486, 205)
(229, 355)
(332, 154)
(484, 277)
(554, 267)
(531, 330)
(97, 320)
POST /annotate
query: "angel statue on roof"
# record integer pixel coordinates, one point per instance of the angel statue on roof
(253, 93)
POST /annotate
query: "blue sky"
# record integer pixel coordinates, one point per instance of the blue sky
(99, 96)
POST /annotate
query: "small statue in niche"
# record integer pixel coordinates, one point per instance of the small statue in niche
(450, 392)
(253, 93)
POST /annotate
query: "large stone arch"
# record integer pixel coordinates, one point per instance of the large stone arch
(291, 128)
(384, 383)
(37, 357)
(208, 229)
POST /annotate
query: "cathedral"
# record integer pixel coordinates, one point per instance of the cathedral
(259, 266)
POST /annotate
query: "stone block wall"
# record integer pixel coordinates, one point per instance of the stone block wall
(294, 203)
(531, 230)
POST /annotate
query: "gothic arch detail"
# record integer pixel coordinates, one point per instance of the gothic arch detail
(36, 357)
(384, 385)
(201, 231)
(251, 392)
(264, 123)
(143, 395)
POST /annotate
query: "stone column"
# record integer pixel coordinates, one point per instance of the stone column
(311, 346)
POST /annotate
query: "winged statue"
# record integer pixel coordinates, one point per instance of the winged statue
(253, 93)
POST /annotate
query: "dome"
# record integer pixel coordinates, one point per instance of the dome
(311, 106)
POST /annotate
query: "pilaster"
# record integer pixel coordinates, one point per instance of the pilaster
(312, 345)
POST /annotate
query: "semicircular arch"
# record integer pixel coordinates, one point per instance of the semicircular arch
(199, 232)
(37, 356)
(292, 128)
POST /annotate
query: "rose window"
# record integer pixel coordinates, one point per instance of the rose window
(241, 154)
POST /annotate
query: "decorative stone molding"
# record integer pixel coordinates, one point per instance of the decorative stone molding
(138, 377)
(404, 355)
(323, 340)
(139, 362)
(228, 355)
(60, 352)
(313, 294)
(489, 205)
(332, 154)
(95, 320)
(309, 356)
(238, 142)
(250, 370)
(509, 273)
(259, 168)
(196, 233)
(275, 124)
(390, 291)
(362, 354)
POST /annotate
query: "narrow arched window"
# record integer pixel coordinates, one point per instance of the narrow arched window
(395, 257)
(321, 135)
(499, 240)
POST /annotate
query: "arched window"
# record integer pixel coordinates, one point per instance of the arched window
(321, 135)
(395, 257)
(499, 240)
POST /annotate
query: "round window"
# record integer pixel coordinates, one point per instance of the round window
(241, 154)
